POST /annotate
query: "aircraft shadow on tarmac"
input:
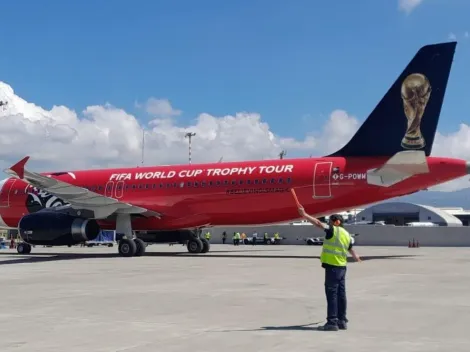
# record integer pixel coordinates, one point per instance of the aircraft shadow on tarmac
(50, 257)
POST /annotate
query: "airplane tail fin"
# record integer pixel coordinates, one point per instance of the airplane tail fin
(407, 116)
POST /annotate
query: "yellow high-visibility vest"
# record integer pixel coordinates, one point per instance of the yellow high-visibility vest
(335, 249)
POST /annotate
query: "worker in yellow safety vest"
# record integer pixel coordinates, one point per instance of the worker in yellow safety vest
(277, 238)
(336, 245)
(236, 238)
(208, 236)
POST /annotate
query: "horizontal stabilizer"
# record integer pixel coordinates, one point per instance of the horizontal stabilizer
(398, 168)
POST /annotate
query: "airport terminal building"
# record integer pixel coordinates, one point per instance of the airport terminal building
(401, 214)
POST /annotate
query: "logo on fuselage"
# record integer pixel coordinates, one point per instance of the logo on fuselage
(37, 199)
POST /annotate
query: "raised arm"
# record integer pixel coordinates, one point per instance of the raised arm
(311, 219)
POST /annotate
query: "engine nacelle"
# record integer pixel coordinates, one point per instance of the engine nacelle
(57, 229)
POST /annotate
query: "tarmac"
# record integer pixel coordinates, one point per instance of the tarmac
(263, 298)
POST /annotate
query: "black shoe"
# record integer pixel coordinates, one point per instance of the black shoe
(328, 327)
(342, 325)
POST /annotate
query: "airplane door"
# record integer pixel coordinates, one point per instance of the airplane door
(322, 179)
(114, 189)
(5, 193)
(109, 189)
(119, 191)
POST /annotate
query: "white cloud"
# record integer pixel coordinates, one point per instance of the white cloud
(106, 136)
(452, 36)
(408, 5)
(456, 145)
(159, 108)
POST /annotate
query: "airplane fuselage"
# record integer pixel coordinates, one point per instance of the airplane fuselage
(234, 193)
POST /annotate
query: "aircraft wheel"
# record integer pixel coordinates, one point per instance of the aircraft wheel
(195, 245)
(127, 247)
(23, 248)
(205, 245)
(140, 250)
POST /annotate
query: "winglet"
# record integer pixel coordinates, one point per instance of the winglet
(18, 168)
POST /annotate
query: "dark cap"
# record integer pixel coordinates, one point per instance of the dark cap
(335, 217)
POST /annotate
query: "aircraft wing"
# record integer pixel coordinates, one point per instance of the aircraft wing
(398, 168)
(77, 197)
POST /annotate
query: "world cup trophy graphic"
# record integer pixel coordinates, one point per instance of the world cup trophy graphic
(415, 93)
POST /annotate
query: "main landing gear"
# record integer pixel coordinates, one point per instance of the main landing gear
(23, 248)
(128, 245)
(197, 244)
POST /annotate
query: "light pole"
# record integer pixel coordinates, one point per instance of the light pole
(143, 145)
(189, 135)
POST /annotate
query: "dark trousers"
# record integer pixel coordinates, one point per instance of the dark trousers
(335, 289)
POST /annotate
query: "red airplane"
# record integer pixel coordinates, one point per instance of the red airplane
(387, 157)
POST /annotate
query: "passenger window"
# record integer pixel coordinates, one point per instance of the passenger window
(203, 183)
(234, 182)
(241, 182)
(288, 180)
(218, 183)
(189, 184)
(196, 184)
(264, 180)
(256, 182)
(273, 180)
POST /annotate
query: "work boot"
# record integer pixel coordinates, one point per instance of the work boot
(342, 325)
(328, 327)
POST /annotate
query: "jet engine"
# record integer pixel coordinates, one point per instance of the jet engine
(57, 229)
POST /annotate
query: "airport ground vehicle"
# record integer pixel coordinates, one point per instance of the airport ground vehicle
(318, 241)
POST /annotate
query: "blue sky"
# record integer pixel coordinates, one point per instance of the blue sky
(292, 62)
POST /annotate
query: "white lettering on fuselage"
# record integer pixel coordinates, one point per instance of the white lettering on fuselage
(350, 176)
(190, 173)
